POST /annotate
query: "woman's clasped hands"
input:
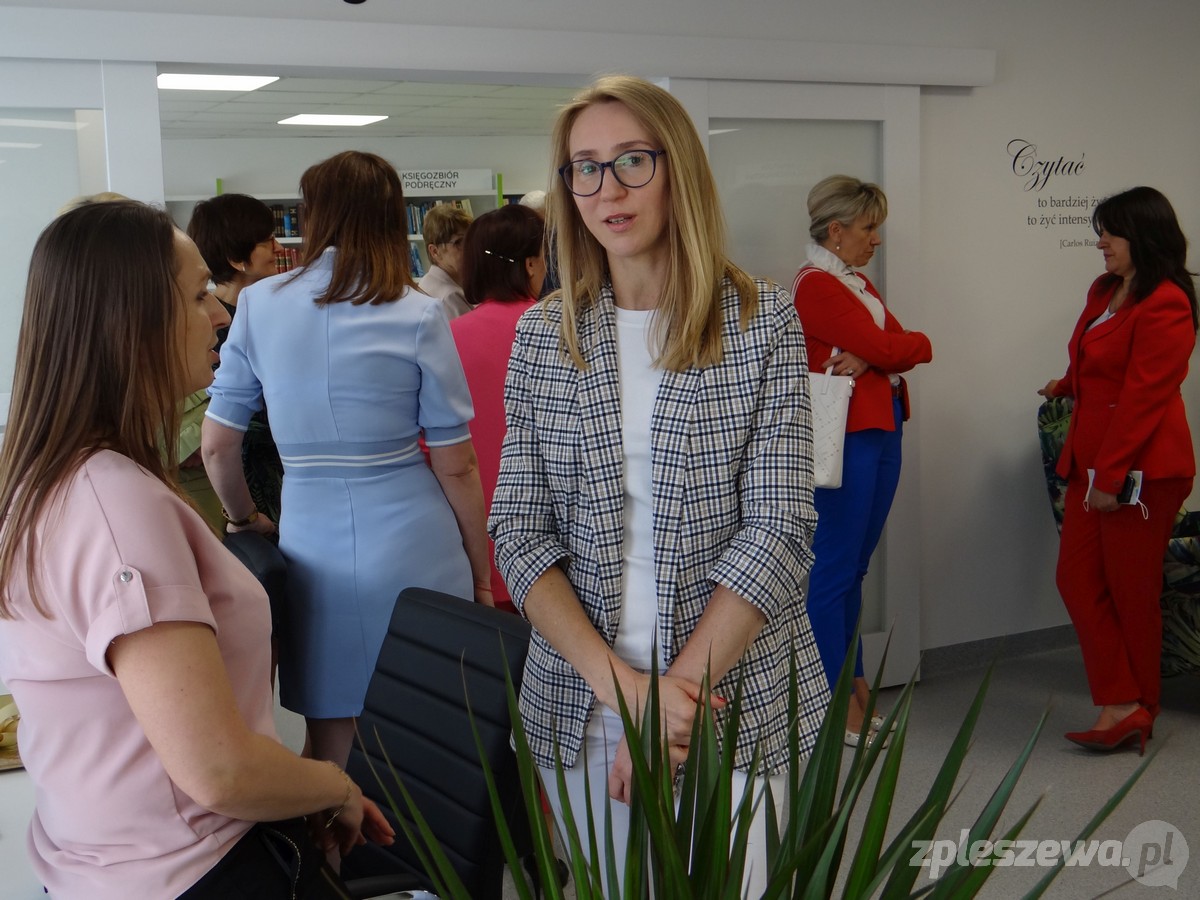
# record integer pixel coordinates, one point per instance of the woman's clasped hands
(677, 701)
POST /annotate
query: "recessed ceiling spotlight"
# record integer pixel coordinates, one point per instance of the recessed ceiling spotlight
(170, 81)
(319, 119)
(356, 1)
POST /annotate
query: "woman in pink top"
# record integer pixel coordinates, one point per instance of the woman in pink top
(503, 269)
(135, 645)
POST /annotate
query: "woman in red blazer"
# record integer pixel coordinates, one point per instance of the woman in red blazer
(1128, 358)
(849, 330)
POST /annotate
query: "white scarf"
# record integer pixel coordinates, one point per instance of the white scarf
(828, 261)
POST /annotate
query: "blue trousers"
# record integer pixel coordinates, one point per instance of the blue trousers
(850, 521)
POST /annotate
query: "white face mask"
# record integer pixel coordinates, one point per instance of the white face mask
(1145, 509)
(1132, 491)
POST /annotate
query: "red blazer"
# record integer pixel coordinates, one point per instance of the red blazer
(484, 338)
(834, 317)
(1125, 375)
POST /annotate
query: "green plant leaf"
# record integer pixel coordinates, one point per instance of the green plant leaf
(498, 811)
(428, 849)
(976, 875)
(920, 826)
(1090, 828)
(865, 863)
(990, 815)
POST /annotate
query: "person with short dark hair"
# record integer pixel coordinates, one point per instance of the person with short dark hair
(135, 644)
(236, 236)
(355, 366)
(444, 228)
(1128, 358)
(504, 264)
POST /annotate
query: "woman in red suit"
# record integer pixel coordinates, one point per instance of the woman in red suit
(849, 330)
(1128, 358)
(503, 267)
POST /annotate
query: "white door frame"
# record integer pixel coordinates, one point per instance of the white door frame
(897, 110)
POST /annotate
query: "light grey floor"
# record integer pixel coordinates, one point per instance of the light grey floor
(1070, 783)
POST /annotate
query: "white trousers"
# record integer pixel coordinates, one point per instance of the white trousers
(603, 735)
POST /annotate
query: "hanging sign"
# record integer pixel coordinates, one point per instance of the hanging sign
(446, 181)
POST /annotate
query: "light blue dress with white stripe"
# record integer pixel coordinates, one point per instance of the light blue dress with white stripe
(349, 389)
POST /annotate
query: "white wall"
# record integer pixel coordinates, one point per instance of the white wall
(1115, 84)
(274, 167)
(1003, 296)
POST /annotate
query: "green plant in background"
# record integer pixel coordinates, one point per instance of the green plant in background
(691, 845)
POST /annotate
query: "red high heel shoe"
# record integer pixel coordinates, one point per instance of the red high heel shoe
(1137, 725)
(1153, 710)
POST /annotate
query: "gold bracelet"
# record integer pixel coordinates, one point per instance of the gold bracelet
(240, 523)
(349, 790)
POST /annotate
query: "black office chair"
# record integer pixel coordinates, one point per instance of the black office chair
(416, 707)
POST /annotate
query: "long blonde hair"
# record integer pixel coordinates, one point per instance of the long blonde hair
(98, 364)
(689, 325)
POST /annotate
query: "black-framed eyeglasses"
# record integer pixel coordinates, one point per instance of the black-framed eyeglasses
(454, 241)
(634, 169)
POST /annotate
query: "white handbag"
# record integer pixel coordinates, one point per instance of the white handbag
(830, 398)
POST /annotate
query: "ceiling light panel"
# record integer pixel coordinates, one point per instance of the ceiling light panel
(174, 81)
(331, 120)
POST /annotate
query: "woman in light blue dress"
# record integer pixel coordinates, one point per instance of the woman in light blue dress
(354, 365)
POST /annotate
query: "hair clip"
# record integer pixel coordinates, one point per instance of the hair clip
(501, 256)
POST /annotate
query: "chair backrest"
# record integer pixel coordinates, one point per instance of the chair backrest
(440, 653)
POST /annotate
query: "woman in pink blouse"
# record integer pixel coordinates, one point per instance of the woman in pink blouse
(503, 269)
(135, 645)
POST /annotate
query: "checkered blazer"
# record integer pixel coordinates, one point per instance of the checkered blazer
(731, 451)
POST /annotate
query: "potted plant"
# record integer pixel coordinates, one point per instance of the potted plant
(689, 843)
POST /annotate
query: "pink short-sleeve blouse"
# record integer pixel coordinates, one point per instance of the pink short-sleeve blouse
(119, 552)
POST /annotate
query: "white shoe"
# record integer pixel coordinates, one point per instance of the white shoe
(851, 738)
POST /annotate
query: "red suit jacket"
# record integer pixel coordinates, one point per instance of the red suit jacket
(834, 317)
(1125, 376)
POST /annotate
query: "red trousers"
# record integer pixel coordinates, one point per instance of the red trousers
(1110, 576)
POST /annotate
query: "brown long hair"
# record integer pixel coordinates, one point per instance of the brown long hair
(690, 324)
(1157, 247)
(98, 364)
(354, 202)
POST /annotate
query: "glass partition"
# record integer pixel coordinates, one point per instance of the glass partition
(765, 169)
(47, 157)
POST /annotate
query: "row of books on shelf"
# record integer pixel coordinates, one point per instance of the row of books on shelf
(418, 211)
(287, 221)
(418, 267)
(286, 259)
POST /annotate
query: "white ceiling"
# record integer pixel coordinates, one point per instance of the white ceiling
(412, 108)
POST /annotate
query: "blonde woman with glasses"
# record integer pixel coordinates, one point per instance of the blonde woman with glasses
(652, 511)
